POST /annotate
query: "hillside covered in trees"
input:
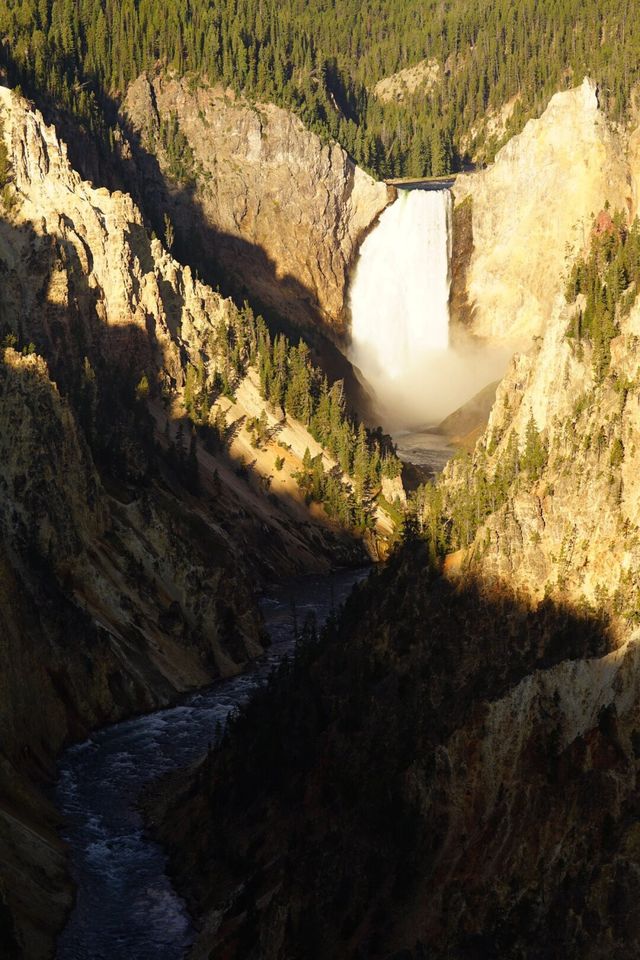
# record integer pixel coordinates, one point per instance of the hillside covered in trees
(323, 61)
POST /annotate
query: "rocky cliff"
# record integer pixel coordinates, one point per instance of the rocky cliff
(130, 552)
(281, 212)
(547, 504)
(532, 211)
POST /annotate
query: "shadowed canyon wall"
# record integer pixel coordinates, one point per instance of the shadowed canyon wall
(124, 582)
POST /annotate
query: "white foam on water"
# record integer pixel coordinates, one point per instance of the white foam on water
(400, 297)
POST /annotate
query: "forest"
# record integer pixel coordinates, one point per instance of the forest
(322, 61)
(292, 386)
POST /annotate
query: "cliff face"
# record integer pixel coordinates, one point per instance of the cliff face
(109, 601)
(130, 555)
(100, 305)
(282, 213)
(550, 199)
(532, 212)
(572, 530)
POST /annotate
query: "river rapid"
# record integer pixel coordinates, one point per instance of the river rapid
(126, 907)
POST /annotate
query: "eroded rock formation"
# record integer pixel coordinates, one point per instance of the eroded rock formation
(280, 211)
(122, 584)
(532, 211)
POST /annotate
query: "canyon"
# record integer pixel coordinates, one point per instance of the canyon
(446, 737)
(452, 771)
(132, 574)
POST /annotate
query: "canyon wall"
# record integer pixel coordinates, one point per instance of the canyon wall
(279, 212)
(110, 602)
(532, 211)
(130, 555)
(550, 537)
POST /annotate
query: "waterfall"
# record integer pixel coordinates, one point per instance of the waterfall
(400, 301)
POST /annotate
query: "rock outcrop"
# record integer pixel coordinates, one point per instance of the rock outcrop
(421, 78)
(532, 211)
(279, 211)
(575, 532)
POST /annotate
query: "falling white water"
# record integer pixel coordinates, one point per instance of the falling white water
(400, 302)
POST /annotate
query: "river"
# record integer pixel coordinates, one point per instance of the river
(126, 907)
(425, 449)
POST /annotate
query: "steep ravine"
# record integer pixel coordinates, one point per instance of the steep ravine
(124, 584)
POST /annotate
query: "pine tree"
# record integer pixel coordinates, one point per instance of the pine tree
(534, 456)
(361, 463)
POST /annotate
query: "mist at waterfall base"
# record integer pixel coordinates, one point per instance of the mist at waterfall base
(399, 304)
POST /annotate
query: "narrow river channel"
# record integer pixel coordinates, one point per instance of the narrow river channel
(126, 907)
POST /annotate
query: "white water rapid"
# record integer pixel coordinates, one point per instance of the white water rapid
(400, 306)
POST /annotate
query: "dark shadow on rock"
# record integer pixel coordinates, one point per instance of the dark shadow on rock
(8, 943)
(361, 804)
(461, 310)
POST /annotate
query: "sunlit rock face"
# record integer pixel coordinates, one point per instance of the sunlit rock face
(279, 211)
(532, 211)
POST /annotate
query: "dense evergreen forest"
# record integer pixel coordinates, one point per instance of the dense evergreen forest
(322, 61)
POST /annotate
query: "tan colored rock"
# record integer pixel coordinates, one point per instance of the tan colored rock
(118, 589)
(393, 489)
(276, 210)
(575, 532)
(532, 212)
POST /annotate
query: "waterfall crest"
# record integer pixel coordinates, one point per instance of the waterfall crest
(400, 297)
